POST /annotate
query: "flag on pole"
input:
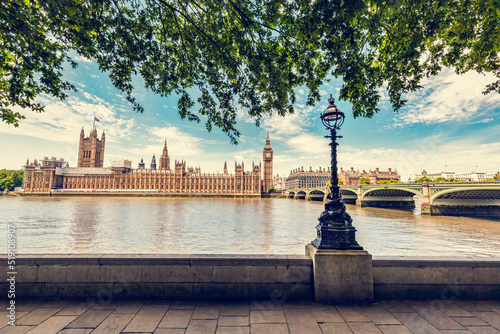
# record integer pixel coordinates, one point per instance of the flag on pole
(96, 119)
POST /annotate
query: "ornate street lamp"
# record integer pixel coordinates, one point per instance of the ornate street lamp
(335, 230)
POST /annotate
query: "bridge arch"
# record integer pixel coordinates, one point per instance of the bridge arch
(301, 194)
(393, 190)
(316, 195)
(291, 194)
(485, 193)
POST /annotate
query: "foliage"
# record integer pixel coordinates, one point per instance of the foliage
(10, 179)
(441, 179)
(340, 182)
(422, 179)
(219, 56)
(364, 180)
(272, 190)
(391, 181)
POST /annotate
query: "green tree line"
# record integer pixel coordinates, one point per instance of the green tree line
(10, 179)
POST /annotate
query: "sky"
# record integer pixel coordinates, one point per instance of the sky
(449, 125)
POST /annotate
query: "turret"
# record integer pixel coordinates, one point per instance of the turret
(142, 165)
(153, 162)
(225, 167)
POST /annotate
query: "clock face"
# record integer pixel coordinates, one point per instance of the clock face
(268, 155)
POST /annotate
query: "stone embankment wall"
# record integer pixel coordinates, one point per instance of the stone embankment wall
(274, 277)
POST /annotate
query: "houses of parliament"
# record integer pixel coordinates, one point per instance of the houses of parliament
(90, 175)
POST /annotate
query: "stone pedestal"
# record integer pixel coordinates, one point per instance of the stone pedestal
(341, 276)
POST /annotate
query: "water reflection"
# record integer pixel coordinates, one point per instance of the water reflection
(244, 226)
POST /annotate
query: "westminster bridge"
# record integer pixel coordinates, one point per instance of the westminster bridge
(443, 198)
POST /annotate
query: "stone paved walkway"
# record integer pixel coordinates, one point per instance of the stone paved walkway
(256, 317)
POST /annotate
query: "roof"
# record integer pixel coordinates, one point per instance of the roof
(82, 171)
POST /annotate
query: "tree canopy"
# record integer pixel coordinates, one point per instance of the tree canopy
(221, 55)
(9, 179)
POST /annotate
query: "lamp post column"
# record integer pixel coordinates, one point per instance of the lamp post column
(342, 269)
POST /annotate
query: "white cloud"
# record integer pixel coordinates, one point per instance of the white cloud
(449, 97)
(94, 76)
(180, 144)
(62, 121)
(83, 59)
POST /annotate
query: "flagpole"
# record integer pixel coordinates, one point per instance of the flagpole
(93, 125)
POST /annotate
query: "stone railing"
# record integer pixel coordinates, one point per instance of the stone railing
(273, 277)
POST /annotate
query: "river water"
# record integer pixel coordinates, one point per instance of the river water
(221, 226)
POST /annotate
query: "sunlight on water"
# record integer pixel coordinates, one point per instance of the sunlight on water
(217, 226)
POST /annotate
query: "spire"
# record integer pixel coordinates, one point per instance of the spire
(165, 150)
(268, 141)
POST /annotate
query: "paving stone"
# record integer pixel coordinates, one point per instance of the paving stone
(53, 324)
(130, 307)
(108, 305)
(201, 327)
(454, 310)
(397, 306)
(380, 316)
(416, 323)
(470, 321)
(28, 305)
(483, 330)
(169, 331)
(4, 320)
(269, 329)
(235, 310)
(437, 318)
(327, 314)
(492, 318)
(233, 321)
(76, 331)
(206, 313)
(37, 316)
(474, 305)
(233, 330)
(267, 317)
(394, 329)
(353, 314)
(147, 319)
(334, 328)
(56, 303)
(301, 321)
(90, 319)
(16, 329)
(265, 305)
(182, 305)
(115, 323)
(75, 308)
(364, 328)
(456, 331)
(176, 319)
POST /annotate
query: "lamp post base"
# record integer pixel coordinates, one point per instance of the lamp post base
(341, 276)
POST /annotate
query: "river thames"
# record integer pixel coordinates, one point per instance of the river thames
(220, 226)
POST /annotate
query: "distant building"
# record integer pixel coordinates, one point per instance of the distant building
(54, 174)
(279, 183)
(467, 176)
(349, 177)
(299, 178)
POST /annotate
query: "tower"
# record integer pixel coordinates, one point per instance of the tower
(164, 159)
(225, 167)
(267, 157)
(142, 165)
(153, 162)
(91, 149)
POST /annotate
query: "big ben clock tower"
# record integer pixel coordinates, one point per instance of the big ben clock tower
(267, 157)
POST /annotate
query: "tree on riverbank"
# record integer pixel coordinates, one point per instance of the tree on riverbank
(10, 179)
(221, 56)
